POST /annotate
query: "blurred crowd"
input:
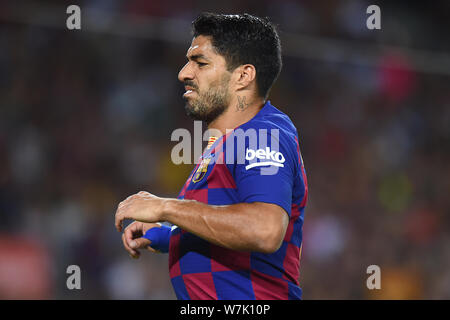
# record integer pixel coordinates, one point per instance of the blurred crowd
(86, 120)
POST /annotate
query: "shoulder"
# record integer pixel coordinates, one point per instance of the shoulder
(275, 124)
(271, 118)
(270, 133)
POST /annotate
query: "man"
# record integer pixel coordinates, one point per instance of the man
(237, 230)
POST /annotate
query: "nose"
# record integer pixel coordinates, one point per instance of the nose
(186, 73)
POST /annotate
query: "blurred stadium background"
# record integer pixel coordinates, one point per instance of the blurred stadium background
(86, 118)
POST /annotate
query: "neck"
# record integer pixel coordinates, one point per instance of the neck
(242, 108)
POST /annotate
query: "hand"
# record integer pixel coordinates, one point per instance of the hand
(132, 238)
(143, 206)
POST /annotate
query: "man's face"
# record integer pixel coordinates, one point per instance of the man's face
(206, 81)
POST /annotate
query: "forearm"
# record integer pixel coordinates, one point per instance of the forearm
(242, 226)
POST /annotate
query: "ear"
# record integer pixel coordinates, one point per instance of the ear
(245, 76)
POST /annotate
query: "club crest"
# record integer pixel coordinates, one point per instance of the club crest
(201, 171)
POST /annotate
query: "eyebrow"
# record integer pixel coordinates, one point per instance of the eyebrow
(196, 57)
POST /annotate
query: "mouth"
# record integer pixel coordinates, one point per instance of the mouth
(189, 90)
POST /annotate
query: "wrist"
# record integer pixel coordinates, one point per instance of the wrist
(159, 238)
(166, 209)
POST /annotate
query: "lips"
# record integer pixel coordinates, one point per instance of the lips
(189, 90)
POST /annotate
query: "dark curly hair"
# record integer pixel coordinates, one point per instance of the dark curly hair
(244, 39)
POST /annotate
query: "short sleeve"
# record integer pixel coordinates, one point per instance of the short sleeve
(265, 167)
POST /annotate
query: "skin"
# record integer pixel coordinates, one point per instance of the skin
(253, 226)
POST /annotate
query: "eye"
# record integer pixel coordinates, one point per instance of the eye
(201, 64)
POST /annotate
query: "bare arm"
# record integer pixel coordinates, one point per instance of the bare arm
(254, 226)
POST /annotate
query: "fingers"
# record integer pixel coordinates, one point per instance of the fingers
(133, 231)
(132, 240)
(124, 202)
(121, 209)
(121, 214)
(133, 253)
(152, 250)
(127, 236)
(139, 243)
(118, 220)
(131, 237)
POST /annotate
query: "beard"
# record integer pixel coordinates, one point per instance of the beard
(209, 105)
